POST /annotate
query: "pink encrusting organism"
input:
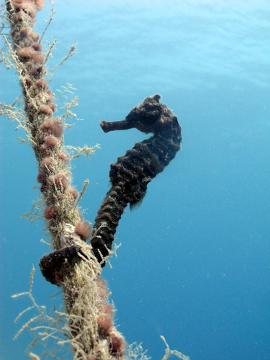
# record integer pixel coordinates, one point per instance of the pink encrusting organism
(72, 264)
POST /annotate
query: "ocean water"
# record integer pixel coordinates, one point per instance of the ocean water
(194, 261)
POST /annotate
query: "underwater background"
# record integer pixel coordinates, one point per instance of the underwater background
(194, 261)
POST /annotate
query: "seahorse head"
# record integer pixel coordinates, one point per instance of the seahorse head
(151, 116)
(144, 116)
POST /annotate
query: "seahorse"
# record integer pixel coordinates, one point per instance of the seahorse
(131, 174)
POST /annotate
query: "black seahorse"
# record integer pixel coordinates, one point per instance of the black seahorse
(132, 172)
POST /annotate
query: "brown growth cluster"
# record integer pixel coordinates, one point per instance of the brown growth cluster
(71, 265)
(107, 330)
(46, 129)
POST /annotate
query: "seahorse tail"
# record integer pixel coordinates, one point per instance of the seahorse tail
(106, 222)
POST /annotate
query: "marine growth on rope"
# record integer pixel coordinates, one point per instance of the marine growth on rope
(132, 172)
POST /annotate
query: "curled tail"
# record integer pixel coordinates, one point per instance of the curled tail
(132, 172)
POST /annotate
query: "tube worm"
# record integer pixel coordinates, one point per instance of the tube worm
(132, 172)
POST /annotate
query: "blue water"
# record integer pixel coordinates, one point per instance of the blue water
(194, 264)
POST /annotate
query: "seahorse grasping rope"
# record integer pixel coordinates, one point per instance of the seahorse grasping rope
(132, 172)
